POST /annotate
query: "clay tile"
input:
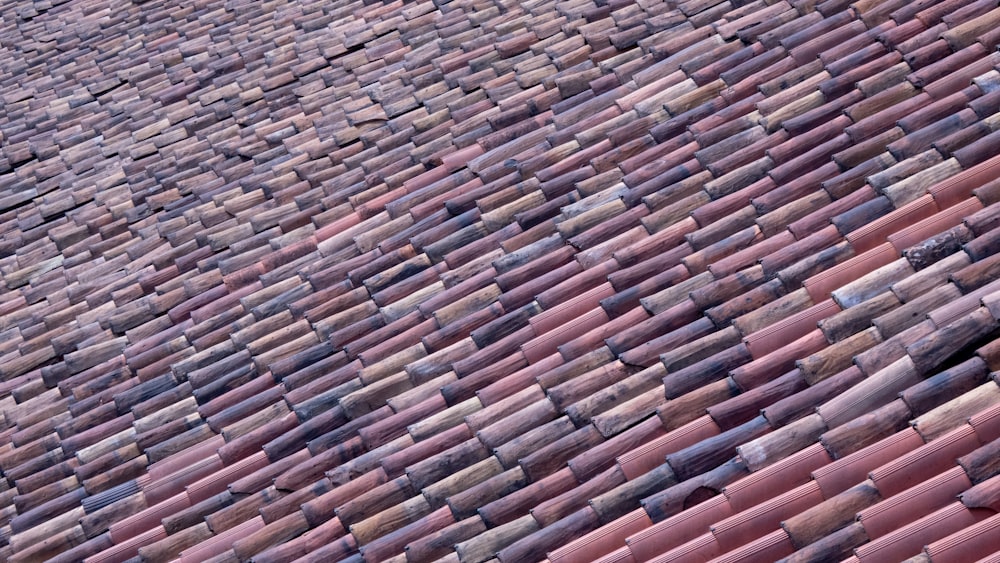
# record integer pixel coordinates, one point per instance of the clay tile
(605, 539)
(590, 492)
(393, 542)
(983, 246)
(727, 204)
(869, 71)
(520, 446)
(932, 15)
(839, 544)
(520, 283)
(855, 51)
(638, 265)
(964, 59)
(82, 551)
(781, 476)
(602, 456)
(848, 182)
(982, 495)
(982, 221)
(711, 452)
(931, 350)
(508, 507)
(130, 546)
(908, 540)
(700, 261)
(820, 36)
(786, 440)
(712, 153)
(948, 144)
(622, 498)
(772, 305)
(450, 130)
(823, 284)
(671, 154)
(984, 424)
(937, 456)
(921, 139)
(535, 545)
(375, 500)
(327, 533)
(970, 543)
(682, 527)
(944, 417)
(962, 14)
(773, 336)
(582, 385)
(724, 122)
(643, 459)
(665, 174)
(569, 309)
(792, 94)
(339, 549)
(883, 111)
(703, 547)
(676, 125)
(786, 410)
(753, 24)
(771, 546)
(853, 467)
(858, 317)
(926, 48)
(949, 383)
(440, 542)
(647, 353)
(221, 542)
(914, 310)
(989, 353)
(933, 249)
(662, 322)
(149, 518)
(744, 406)
(807, 256)
(776, 220)
(958, 81)
(871, 393)
(976, 152)
(892, 348)
(935, 274)
(816, 522)
(772, 37)
(923, 498)
(511, 388)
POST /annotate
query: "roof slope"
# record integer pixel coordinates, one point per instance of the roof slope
(312, 281)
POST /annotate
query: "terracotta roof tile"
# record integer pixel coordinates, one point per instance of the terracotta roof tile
(958, 545)
(944, 521)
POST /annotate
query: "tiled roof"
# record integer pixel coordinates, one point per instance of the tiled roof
(484, 280)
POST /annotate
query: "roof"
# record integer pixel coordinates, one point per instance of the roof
(479, 280)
